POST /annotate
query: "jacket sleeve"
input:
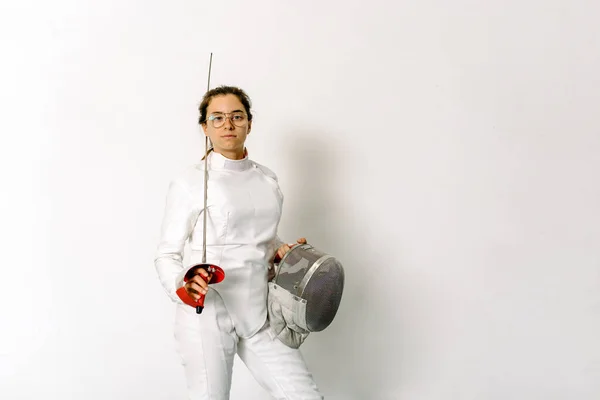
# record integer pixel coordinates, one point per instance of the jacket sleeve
(179, 218)
(277, 242)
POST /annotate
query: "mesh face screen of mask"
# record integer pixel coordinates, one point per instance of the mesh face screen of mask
(323, 294)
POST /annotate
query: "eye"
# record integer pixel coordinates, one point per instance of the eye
(217, 118)
(238, 117)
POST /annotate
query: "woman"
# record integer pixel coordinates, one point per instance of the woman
(243, 211)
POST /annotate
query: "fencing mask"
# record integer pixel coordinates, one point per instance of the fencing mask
(305, 294)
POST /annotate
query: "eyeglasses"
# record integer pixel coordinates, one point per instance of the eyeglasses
(237, 118)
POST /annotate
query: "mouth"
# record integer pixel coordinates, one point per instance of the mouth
(229, 136)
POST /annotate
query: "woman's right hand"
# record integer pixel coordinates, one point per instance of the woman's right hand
(198, 284)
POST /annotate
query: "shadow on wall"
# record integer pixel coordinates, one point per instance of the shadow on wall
(346, 357)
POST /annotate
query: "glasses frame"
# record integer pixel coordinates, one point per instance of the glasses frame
(228, 116)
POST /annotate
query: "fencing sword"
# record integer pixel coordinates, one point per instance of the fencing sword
(215, 273)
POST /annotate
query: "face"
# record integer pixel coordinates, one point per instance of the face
(229, 138)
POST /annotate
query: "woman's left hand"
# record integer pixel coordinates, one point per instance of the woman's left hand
(284, 248)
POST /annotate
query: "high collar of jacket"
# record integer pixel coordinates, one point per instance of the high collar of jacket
(218, 162)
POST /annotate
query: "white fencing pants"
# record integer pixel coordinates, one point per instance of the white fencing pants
(207, 344)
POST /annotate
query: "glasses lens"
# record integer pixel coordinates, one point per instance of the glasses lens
(217, 120)
(238, 119)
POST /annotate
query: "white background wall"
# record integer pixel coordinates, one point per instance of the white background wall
(448, 153)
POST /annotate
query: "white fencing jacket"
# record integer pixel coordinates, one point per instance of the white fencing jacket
(243, 212)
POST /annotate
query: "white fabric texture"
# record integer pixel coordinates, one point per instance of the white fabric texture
(207, 344)
(287, 316)
(243, 212)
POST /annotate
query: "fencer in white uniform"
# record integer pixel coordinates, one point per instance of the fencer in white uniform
(244, 206)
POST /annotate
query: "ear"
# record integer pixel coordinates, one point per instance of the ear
(249, 127)
(204, 127)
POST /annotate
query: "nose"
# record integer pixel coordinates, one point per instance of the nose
(228, 124)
